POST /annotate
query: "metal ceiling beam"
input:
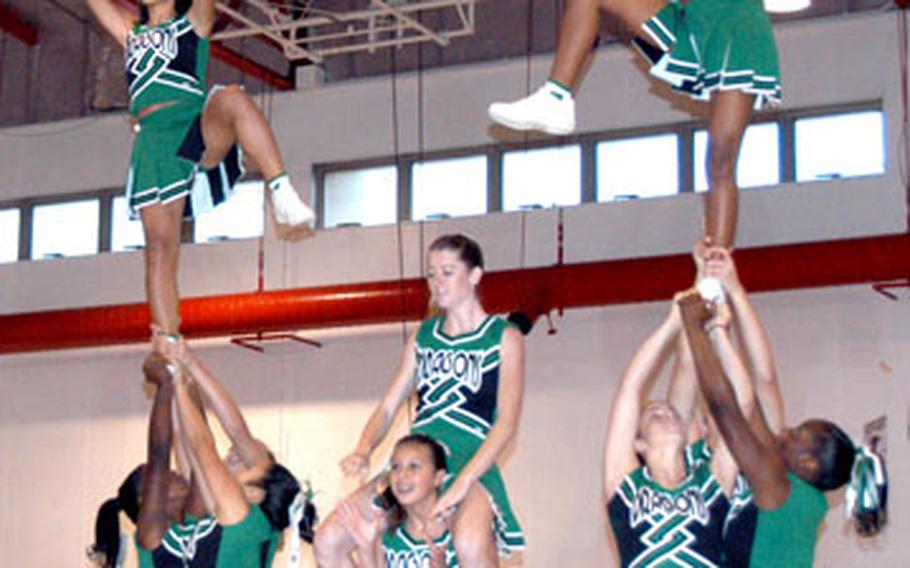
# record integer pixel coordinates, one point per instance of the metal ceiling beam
(291, 49)
(383, 23)
(409, 21)
(12, 23)
(251, 68)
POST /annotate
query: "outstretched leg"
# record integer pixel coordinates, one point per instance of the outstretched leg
(472, 531)
(729, 116)
(551, 108)
(577, 33)
(230, 117)
(161, 226)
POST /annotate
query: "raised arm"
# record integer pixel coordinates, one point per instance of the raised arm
(200, 494)
(202, 16)
(252, 452)
(510, 395)
(756, 345)
(153, 519)
(230, 505)
(761, 464)
(619, 450)
(358, 462)
(682, 393)
(113, 17)
(718, 329)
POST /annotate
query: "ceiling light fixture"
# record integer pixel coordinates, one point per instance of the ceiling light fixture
(784, 6)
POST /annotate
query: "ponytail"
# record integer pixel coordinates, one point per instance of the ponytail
(866, 500)
(106, 550)
(109, 547)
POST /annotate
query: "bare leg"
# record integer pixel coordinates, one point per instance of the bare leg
(577, 32)
(579, 28)
(161, 225)
(729, 116)
(551, 108)
(474, 542)
(231, 116)
(633, 13)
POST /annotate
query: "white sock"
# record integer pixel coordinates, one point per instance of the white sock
(558, 90)
(276, 182)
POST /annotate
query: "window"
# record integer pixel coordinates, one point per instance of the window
(9, 234)
(126, 233)
(840, 145)
(65, 229)
(452, 187)
(541, 178)
(240, 217)
(759, 157)
(642, 167)
(360, 197)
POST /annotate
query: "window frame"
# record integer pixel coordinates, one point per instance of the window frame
(685, 131)
(588, 141)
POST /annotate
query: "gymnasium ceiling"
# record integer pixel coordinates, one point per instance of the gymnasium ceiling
(54, 63)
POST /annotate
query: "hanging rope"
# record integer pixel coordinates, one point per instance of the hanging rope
(396, 146)
(265, 102)
(902, 38)
(420, 137)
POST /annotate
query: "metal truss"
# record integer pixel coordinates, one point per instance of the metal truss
(307, 29)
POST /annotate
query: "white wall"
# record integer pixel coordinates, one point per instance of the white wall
(72, 423)
(353, 120)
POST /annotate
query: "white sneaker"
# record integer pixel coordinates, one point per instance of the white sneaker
(549, 109)
(289, 209)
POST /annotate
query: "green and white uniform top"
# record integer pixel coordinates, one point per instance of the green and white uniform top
(401, 550)
(458, 377)
(205, 543)
(457, 381)
(700, 453)
(191, 543)
(708, 45)
(786, 536)
(658, 527)
(742, 516)
(166, 63)
(247, 543)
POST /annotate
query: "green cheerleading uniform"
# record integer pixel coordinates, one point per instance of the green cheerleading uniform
(786, 536)
(457, 381)
(204, 543)
(191, 543)
(247, 543)
(669, 528)
(167, 64)
(708, 45)
(742, 516)
(401, 550)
